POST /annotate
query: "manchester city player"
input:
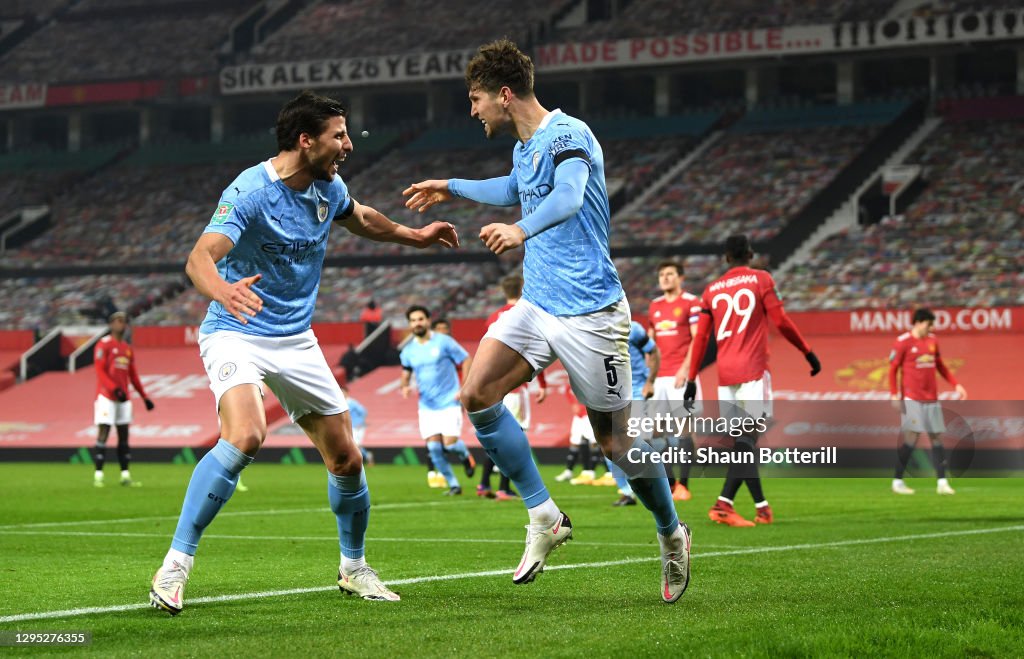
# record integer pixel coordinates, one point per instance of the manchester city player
(573, 308)
(433, 357)
(259, 261)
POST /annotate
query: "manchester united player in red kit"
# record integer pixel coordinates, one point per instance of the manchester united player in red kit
(737, 305)
(916, 355)
(673, 322)
(115, 366)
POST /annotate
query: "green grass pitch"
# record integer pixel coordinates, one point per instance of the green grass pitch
(849, 569)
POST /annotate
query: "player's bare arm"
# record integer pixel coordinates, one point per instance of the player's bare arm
(425, 194)
(237, 297)
(464, 373)
(501, 238)
(368, 222)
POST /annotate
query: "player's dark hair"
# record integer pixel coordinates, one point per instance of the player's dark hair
(922, 315)
(307, 113)
(512, 286)
(671, 264)
(440, 321)
(738, 249)
(500, 64)
(414, 308)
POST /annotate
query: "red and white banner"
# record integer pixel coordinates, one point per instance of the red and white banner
(16, 96)
(782, 41)
(958, 320)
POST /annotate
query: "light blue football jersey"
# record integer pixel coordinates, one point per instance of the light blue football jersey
(639, 345)
(434, 365)
(357, 412)
(281, 234)
(567, 269)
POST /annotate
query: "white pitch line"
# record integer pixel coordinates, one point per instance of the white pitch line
(227, 513)
(70, 613)
(324, 538)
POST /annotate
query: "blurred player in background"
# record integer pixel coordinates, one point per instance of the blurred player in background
(114, 360)
(435, 359)
(644, 357)
(517, 401)
(737, 307)
(357, 412)
(273, 221)
(916, 355)
(573, 308)
(673, 321)
(441, 325)
(582, 445)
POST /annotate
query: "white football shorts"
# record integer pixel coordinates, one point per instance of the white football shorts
(750, 399)
(593, 349)
(518, 404)
(446, 422)
(581, 431)
(665, 390)
(922, 417)
(293, 367)
(108, 412)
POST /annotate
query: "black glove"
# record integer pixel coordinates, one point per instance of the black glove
(690, 395)
(120, 395)
(812, 359)
(149, 404)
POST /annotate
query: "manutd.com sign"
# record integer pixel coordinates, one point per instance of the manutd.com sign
(946, 320)
(889, 321)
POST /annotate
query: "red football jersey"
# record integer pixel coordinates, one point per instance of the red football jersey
(918, 359)
(670, 322)
(115, 367)
(738, 302)
(493, 318)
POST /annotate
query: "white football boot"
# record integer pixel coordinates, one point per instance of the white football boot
(675, 565)
(539, 543)
(365, 583)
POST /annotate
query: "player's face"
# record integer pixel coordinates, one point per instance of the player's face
(922, 328)
(669, 280)
(443, 328)
(329, 150)
(419, 323)
(118, 325)
(490, 109)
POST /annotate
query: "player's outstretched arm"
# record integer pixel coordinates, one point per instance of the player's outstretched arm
(238, 297)
(498, 191)
(370, 223)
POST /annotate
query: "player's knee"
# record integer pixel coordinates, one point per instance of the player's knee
(247, 439)
(474, 398)
(345, 463)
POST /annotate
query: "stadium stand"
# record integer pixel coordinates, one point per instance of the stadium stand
(652, 18)
(44, 302)
(959, 244)
(166, 39)
(372, 27)
(345, 291)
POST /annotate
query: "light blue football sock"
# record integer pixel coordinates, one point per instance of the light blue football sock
(436, 450)
(459, 448)
(504, 440)
(212, 484)
(620, 477)
(350, 501)
(650, 485)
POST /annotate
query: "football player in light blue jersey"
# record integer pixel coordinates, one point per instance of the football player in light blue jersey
(259, 261)
(434, 358)
(573, 308)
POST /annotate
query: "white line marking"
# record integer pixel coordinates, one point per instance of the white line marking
(69, 613)
(324, 538)
(228, 513)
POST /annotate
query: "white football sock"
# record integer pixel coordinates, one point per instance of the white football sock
(545, 514)
(350, 565)
(179, 557)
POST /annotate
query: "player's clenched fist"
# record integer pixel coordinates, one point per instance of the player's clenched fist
(425, 194)
(238, 298)
(500, 238)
